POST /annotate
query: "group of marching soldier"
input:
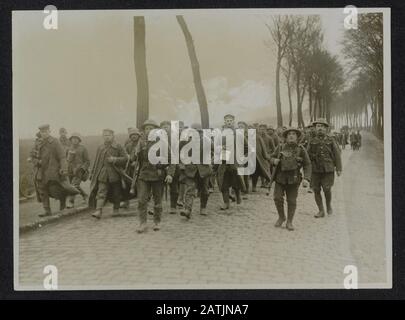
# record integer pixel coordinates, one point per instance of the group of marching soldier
(289, 157)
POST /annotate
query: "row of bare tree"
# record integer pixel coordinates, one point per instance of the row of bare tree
(308, 68)
(309, 71)
(362, 104)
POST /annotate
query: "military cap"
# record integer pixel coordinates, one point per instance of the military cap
(262, 125)
(108, 131)
(270, 127)
(149, 123)
(287, 130)
(165, 122)
(229, 116)
(62, 130)
(44, 127)
(321, 121)
(75, 135)
(196, 126)
(132, 131)
(243, 122)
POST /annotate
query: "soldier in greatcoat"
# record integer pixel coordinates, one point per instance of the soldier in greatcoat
(106, 175)
(50, 175)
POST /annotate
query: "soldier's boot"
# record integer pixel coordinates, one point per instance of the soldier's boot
(99, 209)
(225, 197)
(124, 204)
(156, 226)
(203, 211)
(186, 213)
(156, 218)
(85, 197)
(232, 197)
(47, 212)
(281, 215)
(70, 202)
(290, 217)
(328, 198)
(97, 214)
(173, 210)
(116, 212)
(319, 203)
(62, 203)
(142, 227)
(263, 182)
(238, 197)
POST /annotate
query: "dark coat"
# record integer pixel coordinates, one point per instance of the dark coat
(78, 159)
(104, 171)
(262, 158)
(52, 160)
(275, 138)
(324, 154)
(149, 171)
(190, 170)
(268, 142)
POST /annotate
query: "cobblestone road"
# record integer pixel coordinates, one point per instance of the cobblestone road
(240, 249)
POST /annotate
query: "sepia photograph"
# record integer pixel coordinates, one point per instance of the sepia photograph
(202, 149)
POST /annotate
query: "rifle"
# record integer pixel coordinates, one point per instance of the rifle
(135, 177)
(123, 175)
(273, 176)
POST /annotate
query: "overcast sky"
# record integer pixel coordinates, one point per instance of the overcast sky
(82, 76)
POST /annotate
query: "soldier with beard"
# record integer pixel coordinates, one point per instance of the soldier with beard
(325, 158)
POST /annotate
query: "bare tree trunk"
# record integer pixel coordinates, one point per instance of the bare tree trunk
(290, 119)
(287, 74)
(310, 101)
(142, 107)
(278, 100)
(315, 109)
(202, 100)
(299, 101)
